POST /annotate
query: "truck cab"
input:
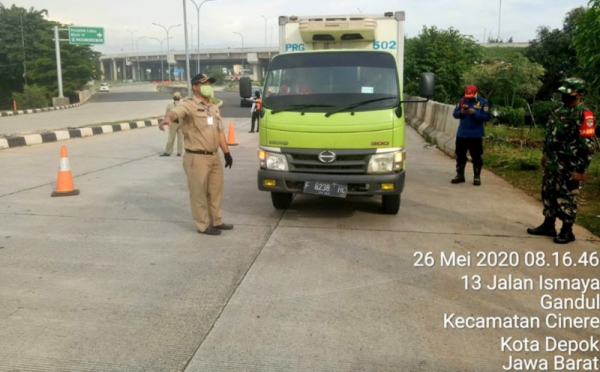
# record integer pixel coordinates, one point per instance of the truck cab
(332, 119)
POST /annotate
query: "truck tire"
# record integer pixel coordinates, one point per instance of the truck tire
(281, 200)
(390, 204)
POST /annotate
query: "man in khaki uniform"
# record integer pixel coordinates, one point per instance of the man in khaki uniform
(203, 132)
(174, 130)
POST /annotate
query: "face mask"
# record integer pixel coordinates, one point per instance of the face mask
(567, 98)
(206, 90)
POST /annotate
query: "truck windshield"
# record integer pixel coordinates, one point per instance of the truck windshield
(328, 81)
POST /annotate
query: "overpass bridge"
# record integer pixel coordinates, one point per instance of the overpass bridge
(146, 66)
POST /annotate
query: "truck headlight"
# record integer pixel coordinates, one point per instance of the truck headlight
(387, 163)
(272, 161)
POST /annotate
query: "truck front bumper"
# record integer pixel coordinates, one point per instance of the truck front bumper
(363, 184)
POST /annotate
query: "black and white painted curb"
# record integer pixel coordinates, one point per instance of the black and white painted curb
(62, 135)
(35, 111)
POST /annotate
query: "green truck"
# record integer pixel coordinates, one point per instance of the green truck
(332, 120)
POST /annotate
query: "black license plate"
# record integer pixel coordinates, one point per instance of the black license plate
(326, 189)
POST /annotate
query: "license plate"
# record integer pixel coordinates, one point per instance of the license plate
(325, 188)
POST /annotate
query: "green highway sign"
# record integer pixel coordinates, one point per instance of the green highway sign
(86, 35)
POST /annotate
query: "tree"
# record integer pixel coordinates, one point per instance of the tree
(586, 43)
(446, 53)
(504, 82)
(554, 51)
(31, 49)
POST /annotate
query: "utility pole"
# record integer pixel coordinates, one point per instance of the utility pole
(58, 67)
(187, 52)
(23, 42)
(499, 19)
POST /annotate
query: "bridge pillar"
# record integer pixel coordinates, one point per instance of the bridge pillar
(258, 73)
(102, 70)
(114, 70)
(124, 75)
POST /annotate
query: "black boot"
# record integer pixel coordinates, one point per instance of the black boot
(477, 176)
(545, 229)
(460, 174)
(566, 234)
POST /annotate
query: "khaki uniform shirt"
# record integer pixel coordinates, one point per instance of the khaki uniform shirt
(193, 116)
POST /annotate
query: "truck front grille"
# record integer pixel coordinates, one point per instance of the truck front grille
(346, 162)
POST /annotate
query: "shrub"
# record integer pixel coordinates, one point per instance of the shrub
(32, 97)
(541, 111)
(511, 116)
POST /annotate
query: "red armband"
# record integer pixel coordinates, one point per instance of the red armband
(587, 128)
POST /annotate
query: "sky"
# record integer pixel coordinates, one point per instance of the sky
(220, 19)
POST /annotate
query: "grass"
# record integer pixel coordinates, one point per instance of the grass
(501, 53)
(514, 154)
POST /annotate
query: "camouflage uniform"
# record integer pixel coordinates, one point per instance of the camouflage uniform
(568, 148)
(567, 152)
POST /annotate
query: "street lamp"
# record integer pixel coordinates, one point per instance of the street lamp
(132, 51)
(162, 77)
(198, 42)
(265, 29)
(242, 36)
(168, 48)
(137, 57)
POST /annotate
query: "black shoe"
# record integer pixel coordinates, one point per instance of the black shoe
(178, 154)
(165, 154)
(460, 175)
(564, 237)
(545, 229)
(566, 234)
(223, 226)
(210, 231)
(477, 177)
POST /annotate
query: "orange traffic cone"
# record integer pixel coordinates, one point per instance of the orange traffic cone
(231, 141)
(64, 184)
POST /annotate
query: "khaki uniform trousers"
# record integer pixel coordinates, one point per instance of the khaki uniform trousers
(205, 182)
(175, 129)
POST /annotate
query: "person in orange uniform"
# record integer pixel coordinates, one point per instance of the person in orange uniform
(203, 134)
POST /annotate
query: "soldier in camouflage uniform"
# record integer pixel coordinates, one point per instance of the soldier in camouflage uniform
(568, 150)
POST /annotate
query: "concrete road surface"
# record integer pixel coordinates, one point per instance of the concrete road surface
(118, 279)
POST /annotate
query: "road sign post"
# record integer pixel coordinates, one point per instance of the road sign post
(83, 35)
(78, 35)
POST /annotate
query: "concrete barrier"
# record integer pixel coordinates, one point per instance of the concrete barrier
(85, 95)
(433, 121)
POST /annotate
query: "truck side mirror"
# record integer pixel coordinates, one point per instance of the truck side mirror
(427, 85)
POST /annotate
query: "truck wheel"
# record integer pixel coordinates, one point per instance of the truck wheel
(281, 200)
(390, 204)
